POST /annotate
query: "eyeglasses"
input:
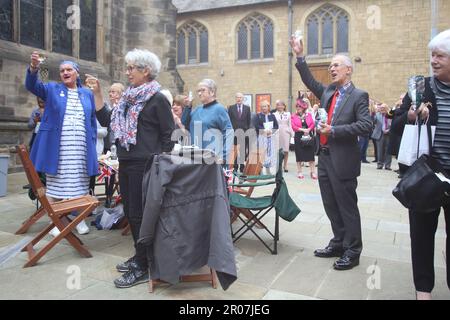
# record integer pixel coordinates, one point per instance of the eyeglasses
(201, 90)
(334, 65)
(131, 68)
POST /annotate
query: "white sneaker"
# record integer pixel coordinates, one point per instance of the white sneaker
(82, 227)
(54, 232)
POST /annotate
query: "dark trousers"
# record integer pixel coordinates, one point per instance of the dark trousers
(423, 228)
(363, 143)
(375, 149)
(240, 162)
(341, 205)
(384, 157)
(130, 180)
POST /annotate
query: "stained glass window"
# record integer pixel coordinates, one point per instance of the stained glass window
(268, 40)
(313, 36)
(88, 31)
(255, 34)
(256, 30)
(323, 24)
(181, 49)
(195, 36)
(327, 34)
(242, 42)
(342, 33)
(62, 36)
(6, 20)
(203, 46)
(32, 23)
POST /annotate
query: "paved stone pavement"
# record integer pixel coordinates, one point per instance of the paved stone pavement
(384, 271)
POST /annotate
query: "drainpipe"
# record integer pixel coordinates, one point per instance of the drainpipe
(290, 22)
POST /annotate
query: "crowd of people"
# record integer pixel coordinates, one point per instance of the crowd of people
(73, 125)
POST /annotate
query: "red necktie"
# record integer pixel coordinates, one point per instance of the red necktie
(324, 139)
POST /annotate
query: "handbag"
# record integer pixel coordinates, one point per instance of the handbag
(414, 143)
(425, 186)
(306, 141)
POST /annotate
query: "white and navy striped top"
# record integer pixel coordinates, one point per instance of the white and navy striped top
(72, 179)
(441, 146)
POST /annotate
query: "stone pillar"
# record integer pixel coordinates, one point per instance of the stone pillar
(151, 25)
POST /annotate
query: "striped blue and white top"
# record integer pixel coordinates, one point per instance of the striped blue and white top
(441, 147)
(72, 179)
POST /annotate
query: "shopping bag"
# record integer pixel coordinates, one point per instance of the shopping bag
(414, 143)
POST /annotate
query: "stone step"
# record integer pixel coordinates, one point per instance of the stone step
(6, 111)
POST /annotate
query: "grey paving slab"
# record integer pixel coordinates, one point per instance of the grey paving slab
(293, 274)
(40, 282)
(344, 285)
(304, 275)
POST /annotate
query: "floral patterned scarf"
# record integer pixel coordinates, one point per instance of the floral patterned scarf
(124, 119)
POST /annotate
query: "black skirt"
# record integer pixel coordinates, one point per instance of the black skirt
(303, 153)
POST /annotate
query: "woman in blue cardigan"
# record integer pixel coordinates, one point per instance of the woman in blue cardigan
(64, 148)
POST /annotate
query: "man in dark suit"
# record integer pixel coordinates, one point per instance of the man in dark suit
(339, 156)
(240, 116)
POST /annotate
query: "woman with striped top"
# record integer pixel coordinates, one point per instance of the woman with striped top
(436, 107)
(64, 148)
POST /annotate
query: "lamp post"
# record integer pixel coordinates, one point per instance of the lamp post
(290, 54)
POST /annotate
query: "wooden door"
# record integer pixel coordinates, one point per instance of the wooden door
(321, 74)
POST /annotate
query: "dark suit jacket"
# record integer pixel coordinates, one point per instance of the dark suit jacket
(261, 118)
(351, 120)
(244, 121)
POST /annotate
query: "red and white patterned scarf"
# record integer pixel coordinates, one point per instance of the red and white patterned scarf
(124, 119)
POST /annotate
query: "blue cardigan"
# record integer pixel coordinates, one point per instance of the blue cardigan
(45, 150)
(206, 122)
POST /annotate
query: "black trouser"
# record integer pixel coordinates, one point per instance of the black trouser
(109, 188)
(423, 228)
(341, 205)
(130, 180)
(239, 162)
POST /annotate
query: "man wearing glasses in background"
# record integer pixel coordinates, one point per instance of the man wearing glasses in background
(339, 155)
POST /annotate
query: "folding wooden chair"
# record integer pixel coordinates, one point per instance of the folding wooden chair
(57, 213)
(253, 167)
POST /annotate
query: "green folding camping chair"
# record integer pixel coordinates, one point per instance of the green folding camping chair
(258, 207)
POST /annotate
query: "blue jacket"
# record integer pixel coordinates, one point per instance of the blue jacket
(45, 151)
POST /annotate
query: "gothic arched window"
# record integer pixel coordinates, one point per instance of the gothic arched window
(255, 38)
(192, 43)
(327, 31)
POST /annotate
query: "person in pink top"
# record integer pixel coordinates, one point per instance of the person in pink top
(303, 125)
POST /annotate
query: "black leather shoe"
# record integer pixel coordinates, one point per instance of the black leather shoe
(328, 252)
(127, 265)
(132, 278)
(345, 263)
(365, 161)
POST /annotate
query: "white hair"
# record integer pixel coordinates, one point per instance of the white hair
(441, 42)
(210, 84)
(345, 58)
(144, 59)
(168, 95)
